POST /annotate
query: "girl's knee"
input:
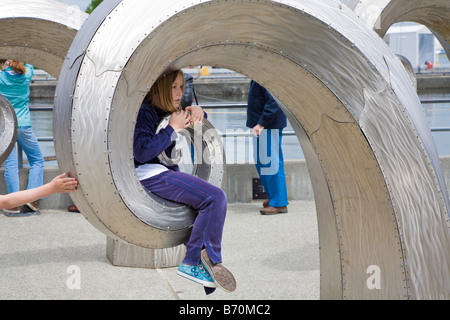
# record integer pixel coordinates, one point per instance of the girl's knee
(220, 195)
(37, 164)
(217, 195)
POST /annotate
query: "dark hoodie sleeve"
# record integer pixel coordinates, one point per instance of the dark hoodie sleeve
(271, 110)
(147, 144)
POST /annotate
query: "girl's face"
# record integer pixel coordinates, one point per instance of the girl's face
(177, 91)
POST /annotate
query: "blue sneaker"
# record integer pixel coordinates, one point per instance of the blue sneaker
(197, 274)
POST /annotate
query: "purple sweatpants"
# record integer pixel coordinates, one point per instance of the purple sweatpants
(210, 202)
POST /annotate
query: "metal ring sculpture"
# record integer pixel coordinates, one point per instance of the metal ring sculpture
(125, 211)
(379, 15)
(198, 151)
(8, 128)
(379, 191)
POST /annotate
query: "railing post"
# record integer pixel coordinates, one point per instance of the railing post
(19, 156)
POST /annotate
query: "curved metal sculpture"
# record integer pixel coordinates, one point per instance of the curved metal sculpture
(38, 32)
(198, 151)
(91, 114)
(380, 197)
(8, 128)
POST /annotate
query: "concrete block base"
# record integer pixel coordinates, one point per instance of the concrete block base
(127, 255)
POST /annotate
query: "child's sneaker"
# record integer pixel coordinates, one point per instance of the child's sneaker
(221, 275)
(197, 274)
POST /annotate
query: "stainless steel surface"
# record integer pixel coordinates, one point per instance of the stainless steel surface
(377, 190)
(8, 128)
(409, 69)
(198, 151)
(379, 193)
(92, 120)
(38, 32)
(379, 15)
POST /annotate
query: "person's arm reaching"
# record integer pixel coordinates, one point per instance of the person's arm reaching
(59, 184)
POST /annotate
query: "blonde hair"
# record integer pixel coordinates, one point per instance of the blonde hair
(163, 87)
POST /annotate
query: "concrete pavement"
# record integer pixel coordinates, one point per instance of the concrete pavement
(60, 255)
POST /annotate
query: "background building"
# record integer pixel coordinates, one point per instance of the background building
(418, 44)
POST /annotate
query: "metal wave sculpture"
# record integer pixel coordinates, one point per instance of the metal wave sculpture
(381, 200)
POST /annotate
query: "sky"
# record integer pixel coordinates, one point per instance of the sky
(82, 4)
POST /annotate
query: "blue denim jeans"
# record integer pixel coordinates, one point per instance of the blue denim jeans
(269, 162)
(28, 142)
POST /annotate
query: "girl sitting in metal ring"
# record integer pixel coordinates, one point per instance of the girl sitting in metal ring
(203, 260)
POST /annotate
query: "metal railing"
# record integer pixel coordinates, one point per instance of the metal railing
(217, 106)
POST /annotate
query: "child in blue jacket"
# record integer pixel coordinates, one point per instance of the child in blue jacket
(15, 79)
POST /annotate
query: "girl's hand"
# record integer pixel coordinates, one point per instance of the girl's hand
(197, 114)
(180, 120)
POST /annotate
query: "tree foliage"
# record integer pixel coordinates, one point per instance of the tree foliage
(94, 4)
